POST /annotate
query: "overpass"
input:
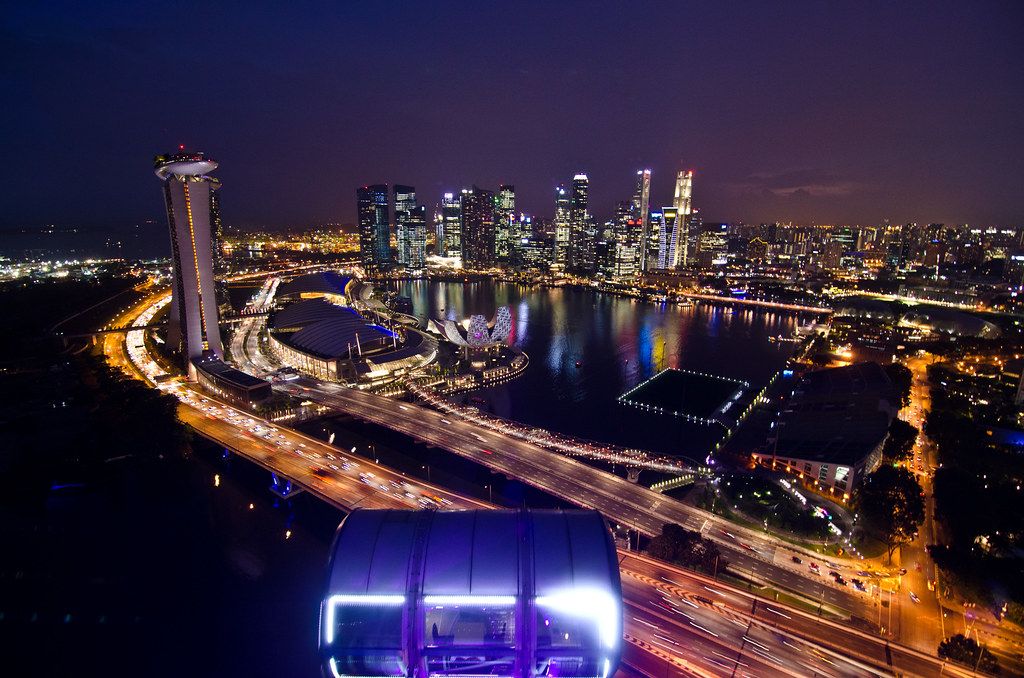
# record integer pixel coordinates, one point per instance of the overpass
(349, 487)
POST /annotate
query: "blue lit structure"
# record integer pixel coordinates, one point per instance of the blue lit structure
(472, 593)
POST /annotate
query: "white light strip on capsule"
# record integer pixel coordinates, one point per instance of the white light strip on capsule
(470, 600)
(355, 599)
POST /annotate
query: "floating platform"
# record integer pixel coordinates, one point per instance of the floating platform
(693, 396)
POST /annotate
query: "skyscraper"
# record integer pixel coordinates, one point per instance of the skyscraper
(451, 226)
(193, 325)
(627, 239)
(374, 231)
(668, 238)
(405, 203)
(684, 210)
(416, 256)
(641, 205)
(504, 222)
(478, 228)
(580, 250)
(562, 212)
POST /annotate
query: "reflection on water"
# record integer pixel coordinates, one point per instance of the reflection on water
(586, 349)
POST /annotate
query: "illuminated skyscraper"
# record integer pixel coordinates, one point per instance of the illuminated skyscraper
(626, 240)
(478, 228)
(668, 238)
(562, 212)
(374, 231)
(505, 222)
(684, 210)
(416, 238)
(451, 226)
(407, 234)
(580, 244)
(641, 206)
(193, 325)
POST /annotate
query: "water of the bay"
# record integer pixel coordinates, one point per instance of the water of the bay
(587, 348)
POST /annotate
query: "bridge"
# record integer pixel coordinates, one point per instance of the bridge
(710, 624)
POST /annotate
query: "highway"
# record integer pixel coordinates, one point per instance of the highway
(631, 505)
(726, 634)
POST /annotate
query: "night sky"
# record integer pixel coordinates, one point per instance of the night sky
(812, 112)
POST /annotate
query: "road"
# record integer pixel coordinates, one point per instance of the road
(348, 483)
(631, 505)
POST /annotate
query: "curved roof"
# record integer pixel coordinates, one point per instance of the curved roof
(950, 322)
(321, 327)
(472, 552)
(309, 311)
(327, 282)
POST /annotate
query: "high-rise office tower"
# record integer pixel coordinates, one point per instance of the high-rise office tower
(416, 257)
(374, 230)
(668, 238)
(580, 260)
(193, 325)
(562, 226)
(626, 240)
(405, 203)
(504, 222)
(684, 210)
(478, 228)
(451, 225)
(641, 205)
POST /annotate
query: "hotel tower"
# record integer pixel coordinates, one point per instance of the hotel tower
(192, 324)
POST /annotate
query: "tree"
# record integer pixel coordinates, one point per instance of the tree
(900, 441)
(967, 651)
(678, 545)
(891, 505)
(902, 378)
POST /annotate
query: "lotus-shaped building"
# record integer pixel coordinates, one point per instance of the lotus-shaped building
(476, 332)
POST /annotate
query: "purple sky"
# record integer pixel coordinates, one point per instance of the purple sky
(820, 112)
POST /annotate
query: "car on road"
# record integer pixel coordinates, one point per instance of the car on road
(797, 560)
(914, 597)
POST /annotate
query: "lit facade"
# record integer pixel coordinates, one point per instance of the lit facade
(451, 226)
(374, 231)
(682, 201)
(562, 227)
(505, 226)
(405, 204)
(478, 228)
(581, 259)
(189, 194)
(641, 208)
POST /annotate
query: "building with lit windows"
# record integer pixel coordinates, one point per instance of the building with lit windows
(683, 203)
(478, 228)
(405, 205)
(580, 246)
(833, 429)
(374, 228)
(642, 212)
(451, 226)
(510, 593)
(505, 225)
(562, 225)
(190, 196)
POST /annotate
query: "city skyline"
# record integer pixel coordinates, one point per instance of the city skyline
(800, 113)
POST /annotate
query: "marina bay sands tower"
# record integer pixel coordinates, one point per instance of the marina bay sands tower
(192, 324)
